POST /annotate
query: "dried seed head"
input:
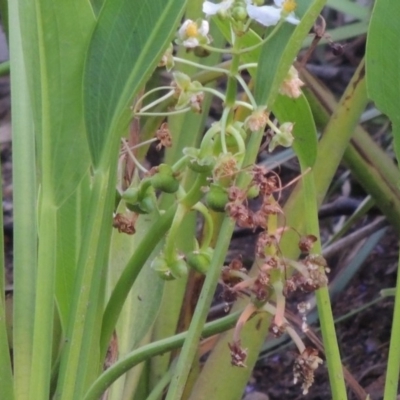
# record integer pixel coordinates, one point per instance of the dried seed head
(291, 85)
(306, 243)
(276, 330)
(257, 120)
(304, 366)
(238, 354)
(163, 134)
(125, 223)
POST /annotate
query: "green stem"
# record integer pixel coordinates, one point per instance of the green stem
(159, 388)
(335, 369)
(201, 66)
(247, 90)
(209, 225)
(129, 275)
(44, 304)
(205, 146)
(224, 119)
(239, 140)
(170, 251)
(151, 350)
(393, 368)
(158, 101)
(162, 114)
(265, 40)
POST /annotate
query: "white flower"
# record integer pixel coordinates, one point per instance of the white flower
(270, 15)
(193, 33)
(210, 8)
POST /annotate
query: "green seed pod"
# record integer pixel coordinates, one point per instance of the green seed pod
(178, 268)
(165, 180)
(204, 165)
(217, 198)
(160, 266)
(199, 261)
(253, 192)
(131, 195)
(143, 206)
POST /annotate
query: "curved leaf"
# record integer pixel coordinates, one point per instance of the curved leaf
(126, 45)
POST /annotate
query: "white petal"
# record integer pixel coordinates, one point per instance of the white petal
(279, 3)
(265, 15)
(210, 8)
(292, 19)
(204, 28)
(226, 5)
(191, 42)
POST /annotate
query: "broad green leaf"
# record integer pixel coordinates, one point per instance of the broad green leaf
(304, 130)
(126, 45)
(70, 219)
(55, 41)
(383, 63)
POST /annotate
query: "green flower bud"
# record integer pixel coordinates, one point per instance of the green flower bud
(217, 198)
(239, 13)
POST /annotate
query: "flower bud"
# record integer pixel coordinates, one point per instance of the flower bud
(239, 13)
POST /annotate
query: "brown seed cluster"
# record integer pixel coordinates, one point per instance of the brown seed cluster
(125, 223)
(238, 354)
(238, 209)
(304, 367)
(313, 276)
(163, 134)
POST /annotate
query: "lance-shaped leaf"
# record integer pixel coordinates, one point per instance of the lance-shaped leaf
(127, 43)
